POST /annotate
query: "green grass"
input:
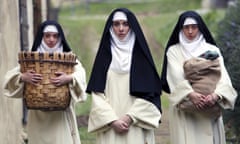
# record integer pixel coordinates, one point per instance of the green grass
(144, 6)
(86, 138)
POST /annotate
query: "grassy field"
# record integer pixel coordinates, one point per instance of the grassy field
(83, 25)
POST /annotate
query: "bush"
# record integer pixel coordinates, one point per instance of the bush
(228, 40)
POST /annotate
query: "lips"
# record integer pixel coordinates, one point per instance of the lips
(122, 35)
(51, 45)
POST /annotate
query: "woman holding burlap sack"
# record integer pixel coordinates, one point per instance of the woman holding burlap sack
(199, 86)
(203, 74)
(50, 127)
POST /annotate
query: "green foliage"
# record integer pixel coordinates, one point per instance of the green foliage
(143, 6)
(228, 40)
(212, 19)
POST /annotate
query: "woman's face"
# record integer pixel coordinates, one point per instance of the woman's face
(190, 31)
(50, 38)
(121, 28)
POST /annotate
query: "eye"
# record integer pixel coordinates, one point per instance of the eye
(186, 27)
(116, 23)
(194, 26)
(126, 24)
(55, 35)
(46, 35)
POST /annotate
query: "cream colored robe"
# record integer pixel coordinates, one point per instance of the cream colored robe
(186, 128)
(117, 102)
(56, 127)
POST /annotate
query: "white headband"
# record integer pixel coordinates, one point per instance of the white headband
(119, 16)
(189, 21)
(50, 28)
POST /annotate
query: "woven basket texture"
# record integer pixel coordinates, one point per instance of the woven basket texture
(46, 96)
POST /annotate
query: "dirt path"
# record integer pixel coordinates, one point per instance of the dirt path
(162, 133)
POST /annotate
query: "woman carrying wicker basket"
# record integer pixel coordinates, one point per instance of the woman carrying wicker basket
(48, 126)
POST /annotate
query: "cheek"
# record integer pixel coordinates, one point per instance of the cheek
(185, 32)
(115, 29)
(45, 40)
(127, 29)
(55, 39)
(196, 32)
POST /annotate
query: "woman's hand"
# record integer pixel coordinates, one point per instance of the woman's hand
(127, 119)
(122, 125)
(31, 77)
(119, 126)
(61, 79)
(211, 99)
(198, 100)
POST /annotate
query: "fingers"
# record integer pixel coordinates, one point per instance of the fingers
(120, 126)
(127, 119)
(61, 79)
(56, 81)
(36, 79)
(59, 73)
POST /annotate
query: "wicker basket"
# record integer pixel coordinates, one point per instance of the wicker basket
(46, 96)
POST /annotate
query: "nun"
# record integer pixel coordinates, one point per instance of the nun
(124, 84)
(50, 127)
(190, 39)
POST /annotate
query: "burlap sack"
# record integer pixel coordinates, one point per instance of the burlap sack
(203, 75)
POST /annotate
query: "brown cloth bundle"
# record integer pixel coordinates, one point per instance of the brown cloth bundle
(203, 75)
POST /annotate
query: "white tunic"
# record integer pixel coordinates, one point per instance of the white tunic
(57, 127)
(186, 128)
(117, 102)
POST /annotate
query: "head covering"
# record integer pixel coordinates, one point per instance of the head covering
(122, 51)
(39, 36)
(50, 28)
(174, 39)
(144, 79)
(121, 48)
(189, 21)
(119, 16)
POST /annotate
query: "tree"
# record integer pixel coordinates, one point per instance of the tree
(228, 39)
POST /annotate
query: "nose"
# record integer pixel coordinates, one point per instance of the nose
(52, 38)
(121, 27)
(190, 30)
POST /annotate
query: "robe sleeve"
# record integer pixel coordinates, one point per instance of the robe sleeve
(78, 85)
(144, 114)
(12, 87)
(101, 113)
(225, 89)
(179, 86)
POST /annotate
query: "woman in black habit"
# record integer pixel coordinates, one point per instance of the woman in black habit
(124, 84)
(189, 40)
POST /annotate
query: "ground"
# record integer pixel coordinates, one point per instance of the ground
(162, 133)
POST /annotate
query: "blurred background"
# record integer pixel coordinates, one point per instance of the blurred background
(83, 22)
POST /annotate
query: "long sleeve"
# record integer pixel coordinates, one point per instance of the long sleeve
(101, 113)
(179, 86)
(224, 88)
(78, 85)
(12, 87)
(144, 114)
